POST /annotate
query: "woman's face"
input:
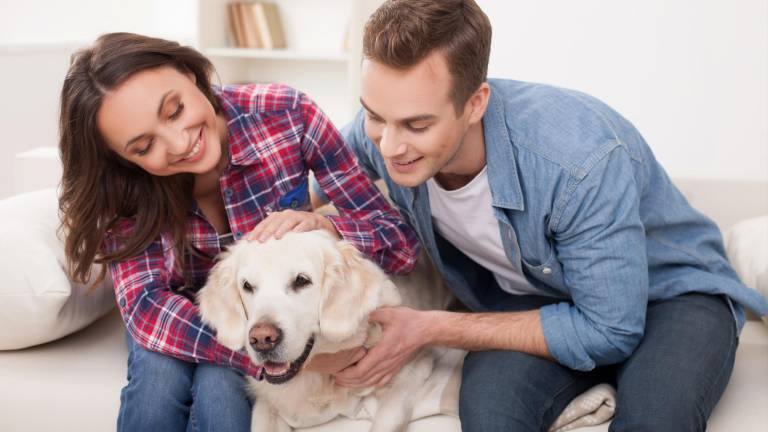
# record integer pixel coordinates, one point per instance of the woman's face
(159, 120)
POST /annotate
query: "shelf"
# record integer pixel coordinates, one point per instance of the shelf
(276, 54)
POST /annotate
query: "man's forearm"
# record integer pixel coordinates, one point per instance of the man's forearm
(514, 331)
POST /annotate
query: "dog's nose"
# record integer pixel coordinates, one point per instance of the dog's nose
(264, 337)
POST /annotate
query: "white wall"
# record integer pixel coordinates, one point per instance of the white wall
(55, 21)
(36, 40)
(692, 75)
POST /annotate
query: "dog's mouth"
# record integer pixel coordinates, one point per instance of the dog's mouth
(279, 373)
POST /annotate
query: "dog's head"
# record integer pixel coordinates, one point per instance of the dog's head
(274, 298)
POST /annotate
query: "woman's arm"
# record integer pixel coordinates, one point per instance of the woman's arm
(162, 321)
(365, 218)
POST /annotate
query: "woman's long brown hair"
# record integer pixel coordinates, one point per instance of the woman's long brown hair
(98, 187)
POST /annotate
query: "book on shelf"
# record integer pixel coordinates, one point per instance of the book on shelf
(250, 28)
(255, 25)
(235, 29)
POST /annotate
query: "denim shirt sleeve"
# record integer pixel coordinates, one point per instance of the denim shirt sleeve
(600, 242)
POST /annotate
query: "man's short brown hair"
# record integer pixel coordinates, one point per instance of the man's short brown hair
(401, 33)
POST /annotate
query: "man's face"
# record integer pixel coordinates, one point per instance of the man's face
(410, 117)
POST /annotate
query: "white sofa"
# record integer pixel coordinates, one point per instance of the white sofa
(73, 384)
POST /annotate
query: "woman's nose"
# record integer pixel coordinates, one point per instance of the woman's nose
(178, 141)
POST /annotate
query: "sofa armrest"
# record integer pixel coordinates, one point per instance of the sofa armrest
(747, 246)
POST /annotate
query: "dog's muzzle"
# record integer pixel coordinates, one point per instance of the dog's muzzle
(279, 373)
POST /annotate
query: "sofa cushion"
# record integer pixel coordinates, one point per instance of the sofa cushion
(747, 247)
(38, 303)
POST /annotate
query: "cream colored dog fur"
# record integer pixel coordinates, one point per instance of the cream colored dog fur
(311, 288)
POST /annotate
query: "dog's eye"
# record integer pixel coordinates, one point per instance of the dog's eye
(247, 287)
(301, 281)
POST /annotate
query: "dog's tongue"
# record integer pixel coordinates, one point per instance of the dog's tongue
(275, 369)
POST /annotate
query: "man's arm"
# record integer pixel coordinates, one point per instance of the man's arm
(600, 243)
(406, 331)
(513, 331)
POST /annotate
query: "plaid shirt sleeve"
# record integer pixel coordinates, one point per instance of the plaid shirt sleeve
(365, 218)
(163, 321)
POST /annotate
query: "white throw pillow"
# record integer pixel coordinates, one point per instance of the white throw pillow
(38, 303)
(747, 246)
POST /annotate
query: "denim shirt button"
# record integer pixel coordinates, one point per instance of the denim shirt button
(294, 204)
(546, 270)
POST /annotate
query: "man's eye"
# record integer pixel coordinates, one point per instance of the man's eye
(177, 113)
(374, 119)
(417, 129)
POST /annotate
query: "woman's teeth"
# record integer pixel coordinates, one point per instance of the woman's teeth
(195, 150)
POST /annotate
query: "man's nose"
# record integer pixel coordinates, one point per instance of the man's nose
(389, 144)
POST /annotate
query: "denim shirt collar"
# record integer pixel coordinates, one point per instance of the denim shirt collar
(503, 176)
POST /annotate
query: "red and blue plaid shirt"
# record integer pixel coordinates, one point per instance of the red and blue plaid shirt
(276, 137)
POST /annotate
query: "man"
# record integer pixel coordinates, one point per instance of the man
(550, 219)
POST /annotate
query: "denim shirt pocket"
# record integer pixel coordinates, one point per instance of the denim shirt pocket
(548, 271)
(296, 198)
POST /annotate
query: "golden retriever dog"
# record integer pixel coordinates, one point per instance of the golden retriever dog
(287, 300)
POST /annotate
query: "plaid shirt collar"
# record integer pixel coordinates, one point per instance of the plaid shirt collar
(243, 148)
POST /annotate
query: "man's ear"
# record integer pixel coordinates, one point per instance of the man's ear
(478, 103)
(220, 304)
(352, 288)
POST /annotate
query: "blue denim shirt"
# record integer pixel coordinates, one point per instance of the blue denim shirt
(586, 213)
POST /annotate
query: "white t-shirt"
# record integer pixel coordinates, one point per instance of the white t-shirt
(465, 218)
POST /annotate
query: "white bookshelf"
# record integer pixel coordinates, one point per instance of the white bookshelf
(274, 54)
(315, 60)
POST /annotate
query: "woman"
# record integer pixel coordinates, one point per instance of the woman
(161, 171)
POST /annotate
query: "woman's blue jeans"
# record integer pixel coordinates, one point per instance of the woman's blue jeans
(670, 383)
(167, 394)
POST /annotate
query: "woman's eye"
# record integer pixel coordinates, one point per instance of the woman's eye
(177, 113)
(146, 149)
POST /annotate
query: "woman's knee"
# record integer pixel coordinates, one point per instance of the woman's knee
(221, 400)
(218, 382)
(158, 392)
(154, 373)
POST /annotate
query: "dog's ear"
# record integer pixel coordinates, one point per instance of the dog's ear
(352, 288)
(220, 304)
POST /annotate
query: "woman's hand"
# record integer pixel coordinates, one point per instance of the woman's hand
(336, 362)
(278, 223)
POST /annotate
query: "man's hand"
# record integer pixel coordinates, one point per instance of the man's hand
(403, 335)
(333, 363)
(278, 223)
